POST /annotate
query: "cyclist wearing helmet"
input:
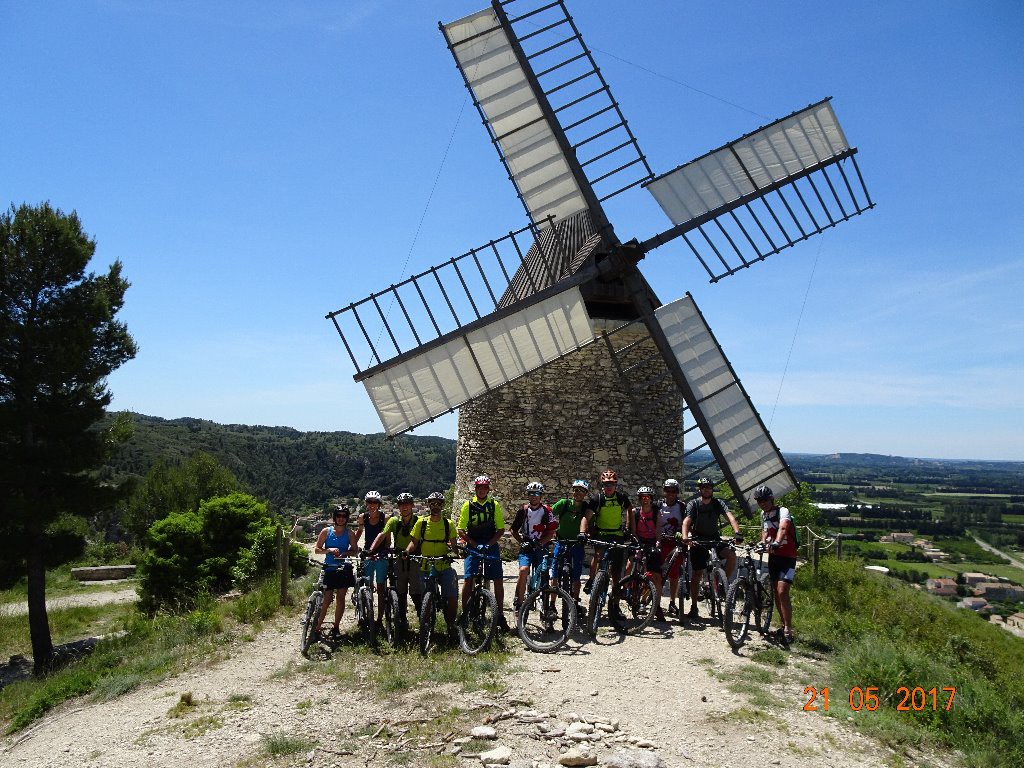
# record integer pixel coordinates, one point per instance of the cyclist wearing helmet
(573, 517)
(481, 524)
(533, 527)
(703, 519)
(670, 518)
(612, 521)
(434, 536)
(369, 525)
(779, 533)
(647, 526)
(334, 543)
(407, 575)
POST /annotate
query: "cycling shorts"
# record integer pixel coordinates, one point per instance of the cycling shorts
(491, 556)
(408, 578)
(449, 582)
(536, 558)
(376, 570)
(781, 568)
(339, 578)
(652, 559)
(667, 548)
(575, 559)
(701, 555)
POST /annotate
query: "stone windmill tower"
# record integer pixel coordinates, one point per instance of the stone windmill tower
(556, 351)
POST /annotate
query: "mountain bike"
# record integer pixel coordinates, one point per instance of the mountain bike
(432, 598)
(749, 596)
(396, 620)
(633, 604)
(714, 583)
(630, 609)
(362, 599)
(479, 619)
(547, 616)
(314, 604)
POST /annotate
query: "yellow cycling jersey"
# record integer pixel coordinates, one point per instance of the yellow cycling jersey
(434, 537)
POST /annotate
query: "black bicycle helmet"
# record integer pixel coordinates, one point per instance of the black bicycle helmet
(763, 492)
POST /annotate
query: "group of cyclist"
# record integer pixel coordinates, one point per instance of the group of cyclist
(606, 516)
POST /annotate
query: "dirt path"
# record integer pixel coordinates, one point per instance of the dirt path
(681, 689)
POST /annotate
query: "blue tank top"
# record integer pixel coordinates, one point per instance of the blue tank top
(335, 541)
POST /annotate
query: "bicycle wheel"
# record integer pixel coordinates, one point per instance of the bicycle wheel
(632, 610)
(546, 619)
(310, 621)
(767, 607)
(428, 613)
(738, 606)
(391, 620)
(598, 598)
(364, 609)
(478, 621)
(717, 594)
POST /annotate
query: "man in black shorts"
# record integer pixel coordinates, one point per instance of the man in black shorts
(702, 521)
(779, 533)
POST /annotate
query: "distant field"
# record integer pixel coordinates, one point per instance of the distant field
(970, 495)
(952, 570)
(1013, 518)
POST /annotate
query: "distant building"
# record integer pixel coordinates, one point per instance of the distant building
(944, 587)
(935, 555)
(887, 539)
(1016, 620)
(903, 538)
(973, 579)
(974, 604)
(993, 590)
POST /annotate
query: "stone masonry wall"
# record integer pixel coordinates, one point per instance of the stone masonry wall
(572, 419)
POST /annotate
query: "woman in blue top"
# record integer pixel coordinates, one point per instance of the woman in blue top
(335, 544)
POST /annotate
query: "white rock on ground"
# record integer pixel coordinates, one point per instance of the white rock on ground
(484, 732)
(631, 758)
(500, 755)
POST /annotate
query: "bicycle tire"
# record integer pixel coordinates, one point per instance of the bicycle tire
(428, 613)
(549, 606)
(364, 614)
(767, 607)
(310, 620)
(392, 629)
(738, 606)
(478, 622)
(598, 598)
(718, 593)
(632, 610)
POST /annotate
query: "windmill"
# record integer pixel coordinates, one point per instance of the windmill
(521, 332)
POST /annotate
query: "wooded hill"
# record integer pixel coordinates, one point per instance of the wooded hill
(293, 469)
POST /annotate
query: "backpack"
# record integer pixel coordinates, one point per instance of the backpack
(447, 530)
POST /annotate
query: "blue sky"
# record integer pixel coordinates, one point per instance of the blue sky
(256, 165)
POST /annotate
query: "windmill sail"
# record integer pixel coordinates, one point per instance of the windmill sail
(558, 130)
(763, 192)
(746, 453)
(526, 137)
(444, 376)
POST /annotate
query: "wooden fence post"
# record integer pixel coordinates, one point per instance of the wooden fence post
(839, 546)
(815, 555)
(282, 543)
